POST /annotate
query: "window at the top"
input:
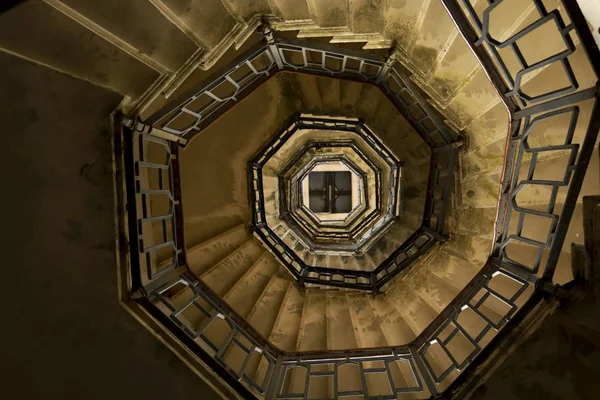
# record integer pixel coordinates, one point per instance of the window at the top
(330, 192)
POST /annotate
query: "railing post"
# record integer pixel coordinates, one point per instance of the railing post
(374, 286)
(178, 207)
(273, 388)
(458, 143)
(435, 234)
(138, 126)
(429, 383)
(385, 70)
(268, 34)
(303, 276)
(548, 288)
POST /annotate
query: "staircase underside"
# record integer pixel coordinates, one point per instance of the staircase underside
(443, 281)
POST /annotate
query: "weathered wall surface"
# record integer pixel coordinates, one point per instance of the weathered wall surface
(64, 335)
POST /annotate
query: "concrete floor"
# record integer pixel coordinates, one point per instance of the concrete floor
(64, 333)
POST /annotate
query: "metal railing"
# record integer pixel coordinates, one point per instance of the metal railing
(188, 115)
(289, 214)
(432, 231)
(528, 152)
(500, 295)
(291, 204)
(157, 239)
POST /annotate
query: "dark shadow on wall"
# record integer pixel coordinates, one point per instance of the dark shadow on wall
(6, 5)
(560, 361)
(64, 334)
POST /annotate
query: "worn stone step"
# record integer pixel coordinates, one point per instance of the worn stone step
(242, 297)
(417, 312)
(224, 275)
(205, 255)
(340, 335)
(395, 329)
(367, 332)
(286, 328)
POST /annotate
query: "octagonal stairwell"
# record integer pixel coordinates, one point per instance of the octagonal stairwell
(384, 209)
(225, 256)
(232, 263)
(315, 318)
(515, 178)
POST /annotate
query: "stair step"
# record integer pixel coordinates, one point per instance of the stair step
(437, 26)
(332, 13)
(310, 95)
(417, 312)
(414, 206)
(436, 291)
(366, 16)
(350, 93)
(245, 10)
(340, 334)
(271, 208)
(308, 257)
(370, 97)
(471, 248)
(365, 263)
(313, 328)
(400, 19)
(476, 221)
(398, 234)
(329, 90)
(286, 328)
(334, 261)
(266, 309)
(411, 221)
(376, 256)
(139, 24)
(203, 256)
(464, 106)
(199, 22)
(367, 332)
(395, 329)
(290, 239)
(226, 273)
(242, 297)
(291, 10)
(415, 174)
(270, 187)
(182, 297)
(321, 260)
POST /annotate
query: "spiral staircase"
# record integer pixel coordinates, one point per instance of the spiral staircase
(470, 125)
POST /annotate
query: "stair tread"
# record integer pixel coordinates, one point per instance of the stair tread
(340, 334)
(367, 332)
(436, 291)
(242, 297)
(285, 330)
(417, 312)
(206, 254)
(148, 31)
(312, 335)
(227, 272)
(394, 328)
(265, 310)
